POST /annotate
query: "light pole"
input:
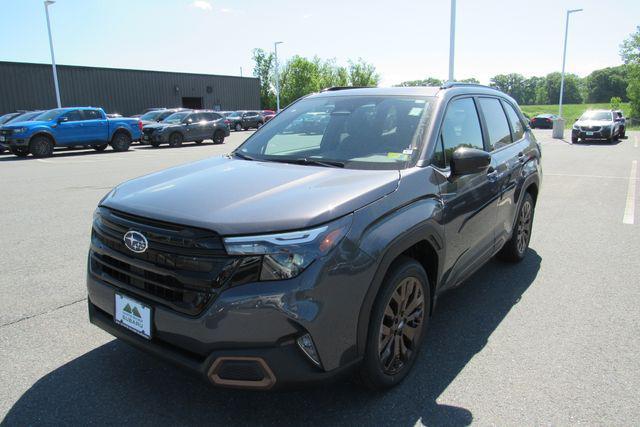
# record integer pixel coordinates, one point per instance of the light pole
(48, 3)
(275, 48)
(564, 56)
(452, 39)
(558, 124)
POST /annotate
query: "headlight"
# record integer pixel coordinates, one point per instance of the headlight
(286, 255)
(20, 130)
(576, 127)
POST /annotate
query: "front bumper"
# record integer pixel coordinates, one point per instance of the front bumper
(14, 141)
(258, 323)
(603, 133)
(154, 137)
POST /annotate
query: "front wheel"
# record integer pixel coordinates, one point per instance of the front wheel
(622, 133)
(398, 324)
(515, 249)
(41, 146)
(238, 127)
(121, 142)
(574, 139)
(175, 139)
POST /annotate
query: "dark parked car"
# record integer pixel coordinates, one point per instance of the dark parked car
(596, 124)
(301, 257)
(187, 126)
(157, 116)
(268, 115)
(244, 120)
(542, 121)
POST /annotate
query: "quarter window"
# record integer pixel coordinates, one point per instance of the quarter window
(517, 129)
(460, 128)
(497, 126)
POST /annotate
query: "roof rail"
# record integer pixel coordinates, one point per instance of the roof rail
(448, 85)
(335, 88)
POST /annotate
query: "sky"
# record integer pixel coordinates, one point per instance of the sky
(405, 40)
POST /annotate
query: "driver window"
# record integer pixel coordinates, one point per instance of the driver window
(460, 128)
(73, 116)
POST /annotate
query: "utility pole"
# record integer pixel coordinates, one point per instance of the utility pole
(48, 3)
(275, 48)
(452, 39)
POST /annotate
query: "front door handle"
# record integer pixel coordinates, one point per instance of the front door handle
(521, 157)
(492, 173)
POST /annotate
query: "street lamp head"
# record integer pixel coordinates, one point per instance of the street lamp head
(49, 2)
(574, 10)
(276, 43)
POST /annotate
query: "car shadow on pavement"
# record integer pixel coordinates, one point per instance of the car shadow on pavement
(62, 152)
(116, 384)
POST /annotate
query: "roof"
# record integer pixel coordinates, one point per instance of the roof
(449, 88)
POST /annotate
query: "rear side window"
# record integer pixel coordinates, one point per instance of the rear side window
(215, 116)
(497, 126)
(92, 115)
(460, 128)
(517, 129)
(195, 118)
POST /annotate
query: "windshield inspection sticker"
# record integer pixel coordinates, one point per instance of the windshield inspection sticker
(415, 111)
(408, 151)
(399, 156)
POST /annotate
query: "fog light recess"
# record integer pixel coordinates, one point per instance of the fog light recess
(309, 349)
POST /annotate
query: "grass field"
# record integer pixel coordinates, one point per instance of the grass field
(570, 111)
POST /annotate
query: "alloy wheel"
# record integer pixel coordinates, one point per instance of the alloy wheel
(524, 226)
(401, 325)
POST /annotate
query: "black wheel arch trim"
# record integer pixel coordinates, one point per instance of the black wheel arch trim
(426, 231)
(43, 133)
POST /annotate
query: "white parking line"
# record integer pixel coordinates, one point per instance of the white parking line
(635, 144)
(629, 210)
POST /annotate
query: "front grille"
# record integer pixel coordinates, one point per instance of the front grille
(591, 128)
(6, 132)
(148, 131)
(183, 268)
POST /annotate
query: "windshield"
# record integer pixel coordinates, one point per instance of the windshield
(596, 115)
(176, 117)
(50, 115)
(359, 132)
(235, 114)
(7, 117)
(151, 115)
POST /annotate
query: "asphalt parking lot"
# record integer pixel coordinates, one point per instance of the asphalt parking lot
(553, 340)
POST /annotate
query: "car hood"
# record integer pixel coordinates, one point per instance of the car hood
(594, 123)
(28, 123)
(235, 197)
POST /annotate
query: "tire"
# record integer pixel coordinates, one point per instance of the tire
(2, 150)
(387, 364)
(41, 146)
(516, 248)
(218, 137)
(575, 139)
(121, 141)
(259, 125)
(238, 127)
(99, 148)
(198, 141)
(155, 144)
(20, 151)
(175, 139)
(245, 128)
(622, 133)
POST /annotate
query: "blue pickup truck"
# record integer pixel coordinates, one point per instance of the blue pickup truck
(69, 127)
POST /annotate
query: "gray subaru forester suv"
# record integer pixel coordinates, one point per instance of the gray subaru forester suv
(301, 256)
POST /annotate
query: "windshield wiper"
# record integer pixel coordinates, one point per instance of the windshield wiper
(242, 156)
(312, 162)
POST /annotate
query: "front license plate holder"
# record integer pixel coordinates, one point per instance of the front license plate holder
(133, 315)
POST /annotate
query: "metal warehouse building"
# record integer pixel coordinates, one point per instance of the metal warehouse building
(25, 86)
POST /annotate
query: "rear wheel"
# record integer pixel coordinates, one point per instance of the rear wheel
(398, 324)
(41, 146)
(20, 151)
(218, 137)
(622, 133)
(121, 141)
(175, 139)
(515, 249)
(238, 127)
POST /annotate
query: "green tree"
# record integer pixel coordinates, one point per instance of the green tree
(603, 84)
(529, 88)
(363, 74)
(263, 69)
(615, 103)
(429, 81)
(469, 80)
(549, 91)
(630, 53)
(512, 84)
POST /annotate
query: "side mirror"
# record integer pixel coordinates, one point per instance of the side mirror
(63, 119)
(617, 119)
(467, 161)
(188, 122)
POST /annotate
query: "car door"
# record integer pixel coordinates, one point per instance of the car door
(209, 125)
(190, 127)
(95, 126)
(469, 201)
(69, 130)
(506, 162)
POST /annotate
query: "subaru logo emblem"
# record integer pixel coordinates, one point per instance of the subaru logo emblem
(135, 242)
